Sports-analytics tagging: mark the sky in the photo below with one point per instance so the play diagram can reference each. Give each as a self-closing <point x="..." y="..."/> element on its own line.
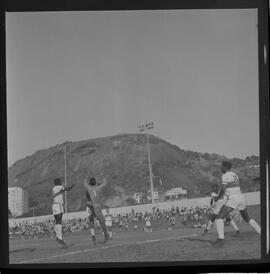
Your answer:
<point x="87" y="74"/>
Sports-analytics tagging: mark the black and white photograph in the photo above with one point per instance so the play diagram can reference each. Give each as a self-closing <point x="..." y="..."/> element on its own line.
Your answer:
<point x="133" y="136"/>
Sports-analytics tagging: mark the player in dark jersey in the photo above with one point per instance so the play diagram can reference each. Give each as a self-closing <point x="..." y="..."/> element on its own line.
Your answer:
<point x="94" y="206"/>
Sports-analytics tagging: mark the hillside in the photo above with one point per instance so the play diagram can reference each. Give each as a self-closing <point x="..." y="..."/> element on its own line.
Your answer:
<point x="122" y="161"/>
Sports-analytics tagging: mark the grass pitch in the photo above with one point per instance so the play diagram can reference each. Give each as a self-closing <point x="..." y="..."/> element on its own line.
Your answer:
<point x="179" y="244"/>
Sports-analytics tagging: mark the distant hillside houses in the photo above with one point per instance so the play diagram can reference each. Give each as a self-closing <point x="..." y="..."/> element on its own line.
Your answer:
<point x="254" y="166"/>
<point x="176" y="193"/>
<point x="138" y="196"/>
<point x="172" y="194"/>
<point x="145" y="197"/>
<point x="155" y="195"/>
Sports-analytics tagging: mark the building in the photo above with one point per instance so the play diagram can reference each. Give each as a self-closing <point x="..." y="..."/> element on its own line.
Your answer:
<point x="155" y="195"/>
<point x="138" y="197"/>
<point x="141" y="197"/>
<point x="176" y="193"/>
<point x="17" y="201"/>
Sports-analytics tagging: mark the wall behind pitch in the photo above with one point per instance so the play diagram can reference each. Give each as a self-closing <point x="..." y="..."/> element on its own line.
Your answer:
<point x="252" y="198"/>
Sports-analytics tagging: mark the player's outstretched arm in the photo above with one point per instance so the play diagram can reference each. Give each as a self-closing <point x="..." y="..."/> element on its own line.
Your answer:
<point x="86" y="185"/>
<point x="63" y="189"/>
<point x="68" y="188"/>
<point x="89" y="204"/>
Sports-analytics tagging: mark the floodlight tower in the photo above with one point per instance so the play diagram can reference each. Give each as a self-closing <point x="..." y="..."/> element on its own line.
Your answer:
<point x="146" y="128"/>
<point x="65" y="156"/>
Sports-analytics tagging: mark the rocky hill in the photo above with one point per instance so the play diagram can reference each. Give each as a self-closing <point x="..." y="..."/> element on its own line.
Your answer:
<point x="123" y="163"/>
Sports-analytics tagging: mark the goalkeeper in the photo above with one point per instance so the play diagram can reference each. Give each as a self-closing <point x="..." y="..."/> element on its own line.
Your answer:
<point x="94" y="206"/>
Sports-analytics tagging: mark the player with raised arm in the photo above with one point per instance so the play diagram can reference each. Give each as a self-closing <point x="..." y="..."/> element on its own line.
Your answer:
<point x="230" y="187"/>
<point x="216" y="206"/>
<point x="94" y="204"/>
<point x="58" y="209"/>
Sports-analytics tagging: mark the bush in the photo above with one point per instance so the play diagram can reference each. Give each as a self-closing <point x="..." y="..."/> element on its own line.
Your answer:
<point x="130" y="201"/>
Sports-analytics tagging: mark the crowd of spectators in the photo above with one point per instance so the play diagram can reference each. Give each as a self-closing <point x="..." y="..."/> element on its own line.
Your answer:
<point x="174" y="217"/>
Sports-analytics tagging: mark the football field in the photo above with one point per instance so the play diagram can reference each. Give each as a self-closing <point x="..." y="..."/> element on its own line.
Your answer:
<point x="179" y="244"/>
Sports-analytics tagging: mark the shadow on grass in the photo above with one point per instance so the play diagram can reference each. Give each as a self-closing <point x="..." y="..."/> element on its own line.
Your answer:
<point x="197" y="240"/>
<point x="22" y="249"/>
<point x="242" y="236"/>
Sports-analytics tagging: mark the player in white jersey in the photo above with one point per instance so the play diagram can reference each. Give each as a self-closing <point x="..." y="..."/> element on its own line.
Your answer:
<point x="108" y="222"/>
<point x="57" y="208"/>
<point x="230" y="187"/>
<point x="172" y="220"/>
<point x="216" y="206"/>
<point x="148" y="227"/>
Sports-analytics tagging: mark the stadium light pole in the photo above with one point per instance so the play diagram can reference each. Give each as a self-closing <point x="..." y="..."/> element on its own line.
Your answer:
<point x="146" y="128"/>
<point x="65" y="148"/>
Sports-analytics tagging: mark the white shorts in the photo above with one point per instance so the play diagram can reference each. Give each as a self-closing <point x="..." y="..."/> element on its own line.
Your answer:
<point x="218" y="205"/>
<point x="109" y="224"/>
<point x="236" y="201"/>
<point x="57" y="209"/>
<point x="148" y="224"/>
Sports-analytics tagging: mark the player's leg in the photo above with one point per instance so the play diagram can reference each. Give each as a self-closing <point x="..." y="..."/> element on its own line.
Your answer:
<point x="92" y="227"/>
<point x="111" y="232"/>
<point x="210" y="223"/>
<point x="58" y="228"/>
<point x="224" y="211"/>
<point x="109" y="229"/>
<point x="251" y="222"/>
<point x="234" y="225"/>
<point x="57" y="211"/>
<point x="101" y="219"/>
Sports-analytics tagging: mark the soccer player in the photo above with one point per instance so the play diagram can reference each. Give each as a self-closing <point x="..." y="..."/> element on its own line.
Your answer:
<point x="120" y="224"/>
<point x="216" y="206"/>
<point x="126" y="224"/>
<point x="148" y="227"/>
<point x="172" y="220"/>
<point x="57" y="208"/>
<point x="234" y="200"/>
<point x="94" y="206"/>
<point x="185" y="217"/>
<point x="108" y="222"/>
<point x="135" y="221"/>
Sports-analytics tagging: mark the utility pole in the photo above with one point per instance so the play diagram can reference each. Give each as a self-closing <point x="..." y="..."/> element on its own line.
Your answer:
<point x="146" y="128"/>
<point x="66" y="202"/>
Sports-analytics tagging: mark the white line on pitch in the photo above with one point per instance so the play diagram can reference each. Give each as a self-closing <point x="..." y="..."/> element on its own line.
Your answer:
<point x="106" y="247"/>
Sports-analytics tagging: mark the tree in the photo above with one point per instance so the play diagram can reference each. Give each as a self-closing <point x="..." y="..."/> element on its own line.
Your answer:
<point x="236" y="162"/>
<point x="130" y="201"/>
<point x="248" y="159"/>
<point x="33" y="203"/>
<point x="206" y="156"/>
<point x="216" y="173"/>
